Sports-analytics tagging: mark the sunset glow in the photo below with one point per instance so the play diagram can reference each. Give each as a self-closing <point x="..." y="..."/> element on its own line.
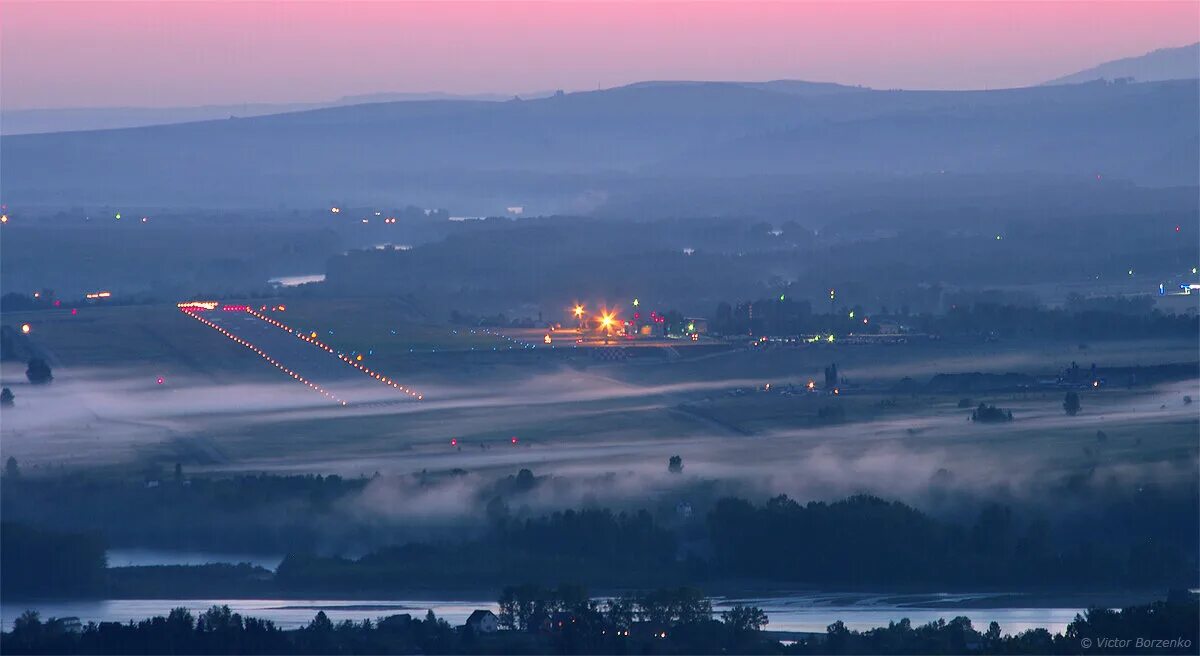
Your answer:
<point x="168" y="54"/>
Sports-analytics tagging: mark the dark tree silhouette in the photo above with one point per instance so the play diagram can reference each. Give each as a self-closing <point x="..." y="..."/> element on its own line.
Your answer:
<point x="38" y="372"/>
<point x="6" y="397"/>
<point x="831" y="376"/>
<point x="1071" y="404"/>
<point x="743" y="619"/>
<point x="675" y="465"/>
<point x="11" y="469"/>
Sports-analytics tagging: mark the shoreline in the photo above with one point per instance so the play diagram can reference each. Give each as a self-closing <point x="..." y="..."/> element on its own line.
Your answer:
<point x="821" y="598"/>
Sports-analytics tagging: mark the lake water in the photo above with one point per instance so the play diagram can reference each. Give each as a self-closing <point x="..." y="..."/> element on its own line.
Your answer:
<point x="793" y="612"/>
<point x="293" y="281"/>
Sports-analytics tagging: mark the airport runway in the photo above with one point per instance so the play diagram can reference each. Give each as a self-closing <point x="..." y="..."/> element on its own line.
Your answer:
<point x="309" y="362"/>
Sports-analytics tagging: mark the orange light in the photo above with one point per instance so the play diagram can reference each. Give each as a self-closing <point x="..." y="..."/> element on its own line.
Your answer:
<point x="578" y="311"/>
<point x="607" y="320"/>
<point x="25" y="328"/>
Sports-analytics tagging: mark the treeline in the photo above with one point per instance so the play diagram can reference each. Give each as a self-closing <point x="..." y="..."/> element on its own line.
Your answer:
<point x="866" y="540"/>
<point x="862" y="540"/>
<point x="166" y="508"/>
<point x="1082" y="319"/>
<point x="566" y="621"/>
<point x="593" y="546"/>
<point x="1162" y="627"/>
<point x="36" y="561"/>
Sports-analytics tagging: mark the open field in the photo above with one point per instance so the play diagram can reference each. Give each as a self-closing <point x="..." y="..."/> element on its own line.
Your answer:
<point x="222" y="408"/>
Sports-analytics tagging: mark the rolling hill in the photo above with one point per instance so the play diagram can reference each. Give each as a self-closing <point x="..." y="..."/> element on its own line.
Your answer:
<point x="551" y="151"/>
<point x="1181" y="63"/>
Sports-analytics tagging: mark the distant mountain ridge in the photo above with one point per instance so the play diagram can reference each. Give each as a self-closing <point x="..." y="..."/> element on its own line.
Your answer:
<point x="72" y="119"/>
<point x="562" y="152"/>
<point x="1182" y="63"/>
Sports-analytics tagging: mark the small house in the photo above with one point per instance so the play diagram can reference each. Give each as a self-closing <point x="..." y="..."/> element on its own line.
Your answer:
<point x="483" y="621"/>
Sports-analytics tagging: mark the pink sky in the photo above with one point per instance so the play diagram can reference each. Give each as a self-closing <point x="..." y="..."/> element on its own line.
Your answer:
<point x="62" y="54"/>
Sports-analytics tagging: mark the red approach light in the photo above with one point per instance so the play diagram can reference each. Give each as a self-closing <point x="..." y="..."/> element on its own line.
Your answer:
<point x="74" y="311"/>
<point x="1177" y="228"/>
<point x="454" y="441"/>
<point x="515" y="440"/>
<point x="59" y="303"/>
<point x="160" y="380"/>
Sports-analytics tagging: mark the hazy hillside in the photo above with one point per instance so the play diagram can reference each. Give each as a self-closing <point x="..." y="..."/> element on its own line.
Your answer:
<point x="1181" y="63"/>
<point x="549" y="153"/>
<point x="35" y="121"/>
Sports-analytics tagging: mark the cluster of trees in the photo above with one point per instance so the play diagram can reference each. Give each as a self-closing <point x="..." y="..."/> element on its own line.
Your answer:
<point x="1175" y="623"/>
<point x="253" y="513"/>
<point x="865" y="540"/>
<point x="564" y="620"/>
<point x="38" y="561"/>
<point x="671" y="620"/>
<point x="858" y="540"/>
<point x="591" y="545"/>
<point x="534" y="607"/>
<point x="221" y="631"/>
<point x="990" y="414"/>
<point x="38" y="372"/>
<point x="661" y="622"/>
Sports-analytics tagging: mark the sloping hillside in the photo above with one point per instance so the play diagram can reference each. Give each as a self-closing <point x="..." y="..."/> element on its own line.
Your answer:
<point x="580" y="143"/>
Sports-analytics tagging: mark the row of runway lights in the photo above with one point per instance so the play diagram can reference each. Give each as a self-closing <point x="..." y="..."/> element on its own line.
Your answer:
<point x="194" y="312"/>
<point x="456" y="443"/>
<point x="519" y="342"/>
<point x="312" y="339"/>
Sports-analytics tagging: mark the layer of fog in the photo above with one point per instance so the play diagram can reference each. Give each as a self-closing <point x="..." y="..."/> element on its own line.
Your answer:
<point x="933" y="459"/>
